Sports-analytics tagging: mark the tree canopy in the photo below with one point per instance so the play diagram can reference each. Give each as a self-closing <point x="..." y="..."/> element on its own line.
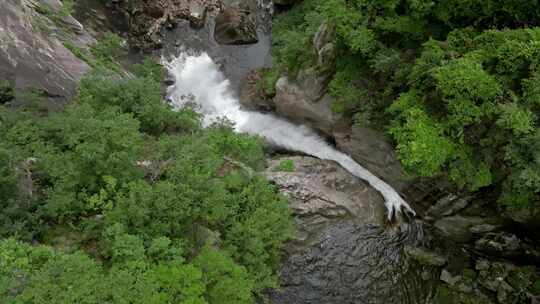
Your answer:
<point x="133" y="202"/>
<point x="453" y="82"/>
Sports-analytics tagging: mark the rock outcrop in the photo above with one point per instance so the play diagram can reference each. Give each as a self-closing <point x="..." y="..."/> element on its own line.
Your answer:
<point x="31" y="53"/>
<point x="293" y="101"/>
<point x="144" y="19"/>
<point x="321" y="193"/>
<point x="236" y="25"/>
<point x="374" y="151"/>
<point x="305" y="99"/>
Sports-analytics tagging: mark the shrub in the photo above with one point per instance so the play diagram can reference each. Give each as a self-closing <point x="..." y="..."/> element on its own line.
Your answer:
<point x="286" y="165"/>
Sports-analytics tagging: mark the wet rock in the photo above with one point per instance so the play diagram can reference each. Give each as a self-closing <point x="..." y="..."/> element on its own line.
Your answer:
<point x="30" y="57"/>
<point x="293" y="101"/>
<point x="483" y="228"/>
<point x="321" y="193"/>
<point x="457" y="227"/>
<point x="448" y="205"/>
<point x="425" y="256"/>
<point x="235" y="25"/>
<point x="493" y="275"/>
<point x="448" y="278"/>
<point x="505" y="243"/>
<point x="169" y="80"/>
<point x="373" y="150"/>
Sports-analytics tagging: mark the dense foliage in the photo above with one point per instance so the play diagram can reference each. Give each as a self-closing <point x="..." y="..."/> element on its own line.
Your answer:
<point x="454" y="82"/>
<point x="133" y="202"/>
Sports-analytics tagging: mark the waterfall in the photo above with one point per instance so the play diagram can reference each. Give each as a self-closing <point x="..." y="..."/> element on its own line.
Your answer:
<point x="199" y="80"/>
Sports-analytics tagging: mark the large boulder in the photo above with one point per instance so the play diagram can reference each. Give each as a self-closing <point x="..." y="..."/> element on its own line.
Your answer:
<point x="321" y="193"/>
<point x="31" y="56"/>
<point x="297" y="100"/>
<point x="373" y="150"/>
<point x="461" y="228"/>
<point x="236" y="25"/>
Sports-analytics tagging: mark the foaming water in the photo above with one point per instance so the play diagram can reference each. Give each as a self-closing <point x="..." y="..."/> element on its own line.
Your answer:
<point x="199" y="80"/>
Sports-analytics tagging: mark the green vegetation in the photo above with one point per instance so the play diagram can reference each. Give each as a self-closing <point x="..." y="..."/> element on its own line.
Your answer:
<point x="132" y="202"/>
<point x="50" y="16"/>
<point x="445" y="295"/>
<point x="455" y="83"/>
<point x="286" y="165"/>
<point x="103" y="54"/>
<point x="268" y="81"/>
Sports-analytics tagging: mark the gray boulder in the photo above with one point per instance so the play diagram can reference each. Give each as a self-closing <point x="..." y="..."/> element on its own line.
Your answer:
<point x="295" y="101"/>
<point x="30" y="57"/>
<point x="425" y="256"/>
<point x="373" y="150"/>
<point x="457" y="228"/>
<point x="447" y="205"/>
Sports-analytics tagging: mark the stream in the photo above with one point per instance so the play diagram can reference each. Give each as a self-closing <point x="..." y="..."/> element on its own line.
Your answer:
<point x="351" y="262"/>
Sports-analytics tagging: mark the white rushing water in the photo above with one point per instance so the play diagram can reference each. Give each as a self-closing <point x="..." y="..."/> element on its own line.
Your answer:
<point x="199" y="80"/>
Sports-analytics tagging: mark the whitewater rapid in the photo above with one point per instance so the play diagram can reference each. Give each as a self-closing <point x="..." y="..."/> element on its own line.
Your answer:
<point x="199" y="81"/>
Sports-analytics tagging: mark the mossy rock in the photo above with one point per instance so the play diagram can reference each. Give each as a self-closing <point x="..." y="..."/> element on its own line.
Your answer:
<point x="445" y="295"/>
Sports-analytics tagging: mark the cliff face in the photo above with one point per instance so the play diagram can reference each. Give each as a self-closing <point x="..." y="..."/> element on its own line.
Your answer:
<point x="144" y="19"/>
<point x="32" y="53"/>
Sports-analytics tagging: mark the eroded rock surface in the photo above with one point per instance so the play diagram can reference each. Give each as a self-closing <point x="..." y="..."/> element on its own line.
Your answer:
<point x="321" y="193"/>
<point x="293" y="101"/>
<point x="32" y="56"/>
<point x="373" y="150"/>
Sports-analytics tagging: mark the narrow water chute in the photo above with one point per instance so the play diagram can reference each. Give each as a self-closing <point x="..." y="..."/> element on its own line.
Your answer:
<point x="199" y="80"/>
